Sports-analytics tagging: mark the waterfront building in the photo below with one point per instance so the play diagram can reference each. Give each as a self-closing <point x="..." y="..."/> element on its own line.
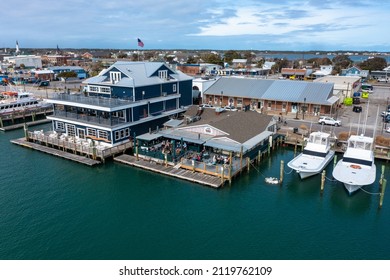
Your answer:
<point x="204" y="133"/>
<point x="273" y="96"/>
<point x="127" y="99"/>
<point x="81" y="74"/>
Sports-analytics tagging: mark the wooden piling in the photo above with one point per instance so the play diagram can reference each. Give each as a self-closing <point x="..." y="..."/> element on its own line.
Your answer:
<point x="25" y="131"/>
<point x="281" y="171"/>
<point x="241" y="152"/>
<point x="222" y="174"/>
<point x="382" y="195"/>
<point x="295" y="147"/>
<point x="323" y="180"/>
<point x="382" y="176"/>
<point x="248" y="163"/>
<point x="136" y="151"/>
<point x="334" y="161"/>
<point x="259" y="157"/>
<point x="1" y="122"/>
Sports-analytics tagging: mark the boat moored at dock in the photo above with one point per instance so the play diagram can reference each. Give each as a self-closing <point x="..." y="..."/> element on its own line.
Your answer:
<point x="315" y="156"/>
<point x="357" y="168"/>
<point x="13" y="101"/>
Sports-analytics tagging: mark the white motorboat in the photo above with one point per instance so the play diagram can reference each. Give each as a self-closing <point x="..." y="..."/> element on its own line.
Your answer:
<point x="13" y="101"/>
<point x="315" y="156"/>
<point x="357" y="168"/>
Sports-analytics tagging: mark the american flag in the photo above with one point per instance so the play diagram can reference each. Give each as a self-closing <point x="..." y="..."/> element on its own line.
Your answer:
<point x="140" y="43"/>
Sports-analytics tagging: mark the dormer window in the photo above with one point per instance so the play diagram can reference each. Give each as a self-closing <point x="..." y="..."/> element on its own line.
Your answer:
<point x="115" y="77"/>
<point x="163" y="74"/>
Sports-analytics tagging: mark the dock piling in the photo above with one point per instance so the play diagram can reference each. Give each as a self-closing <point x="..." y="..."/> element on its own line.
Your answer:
<point x="382" y="195"/>
<point x="281" y="171"/>
<point x="323" y="181"/>
<point x="382" y="176"/>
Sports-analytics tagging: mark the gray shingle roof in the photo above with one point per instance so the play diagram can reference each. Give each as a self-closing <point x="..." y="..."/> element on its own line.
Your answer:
<point x="240" y="126"/>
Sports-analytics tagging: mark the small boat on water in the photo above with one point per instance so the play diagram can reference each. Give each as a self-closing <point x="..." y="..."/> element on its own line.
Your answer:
<point x="13" y="101"/>
<point x="357" y="168"/>
<point x="315" y="156"/>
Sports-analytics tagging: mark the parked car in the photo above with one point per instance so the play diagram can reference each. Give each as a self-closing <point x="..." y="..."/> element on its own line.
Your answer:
<point x="205" y="105"/>
<point x="230" y="108"/>
<point x="329" y="121"/>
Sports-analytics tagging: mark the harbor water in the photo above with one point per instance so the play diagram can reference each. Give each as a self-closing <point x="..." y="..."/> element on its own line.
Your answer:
<point x="52" y="208"/>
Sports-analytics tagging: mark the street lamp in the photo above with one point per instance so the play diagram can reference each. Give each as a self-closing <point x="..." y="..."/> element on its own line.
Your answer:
<point x="304" y="108"/>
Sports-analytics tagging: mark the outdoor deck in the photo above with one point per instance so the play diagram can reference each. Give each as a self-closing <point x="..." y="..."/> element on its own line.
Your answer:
<point x="173" y="171"/>
<point x="55" y="152"/>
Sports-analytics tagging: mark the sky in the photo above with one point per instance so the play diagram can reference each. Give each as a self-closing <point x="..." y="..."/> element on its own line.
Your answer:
<point x="276" y="25"/>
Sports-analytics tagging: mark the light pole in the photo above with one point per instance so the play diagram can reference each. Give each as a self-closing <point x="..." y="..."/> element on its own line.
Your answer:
<point x="304" y="108"/>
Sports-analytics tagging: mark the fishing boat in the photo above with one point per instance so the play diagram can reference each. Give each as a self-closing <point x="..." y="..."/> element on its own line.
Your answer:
<point x="315" y="156"/>
<point x="357" y="168"/>
<point x="13" y="101"/>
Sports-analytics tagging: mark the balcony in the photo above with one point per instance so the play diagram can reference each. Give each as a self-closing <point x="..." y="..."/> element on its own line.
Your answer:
<point x="91" y="119"/>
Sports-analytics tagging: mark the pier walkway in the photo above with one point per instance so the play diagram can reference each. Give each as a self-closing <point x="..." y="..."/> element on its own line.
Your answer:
<point x="55" y="152"/>
<point x="177" y="172"/>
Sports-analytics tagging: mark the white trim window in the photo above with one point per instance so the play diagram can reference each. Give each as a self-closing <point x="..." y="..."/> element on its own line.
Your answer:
<point x="115" y="77"/>
<point x="105" y="90"/>
<point x="91" y="131"/>
<point x="70" y="129"/>
<point x="163" y="74"/>
<point x="60" y="126"/>
<point x="174" y="88"/>
<point x="93" y="89"/>
<point x="102" y="134"/>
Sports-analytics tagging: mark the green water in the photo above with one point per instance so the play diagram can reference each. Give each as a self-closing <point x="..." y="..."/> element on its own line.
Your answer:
<point x="51" y="208"/>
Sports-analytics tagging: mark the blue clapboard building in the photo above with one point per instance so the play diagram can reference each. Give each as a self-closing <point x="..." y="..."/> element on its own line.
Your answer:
<point x="127" y="99"/>
<point x="81" y="73"/>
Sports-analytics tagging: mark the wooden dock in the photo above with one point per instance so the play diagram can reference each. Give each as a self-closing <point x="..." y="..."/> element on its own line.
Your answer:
<point x="204" y="179"/>
<point x="30" y="117"/>
<point x="20" y="125"/>
<point x="55" y="152"/>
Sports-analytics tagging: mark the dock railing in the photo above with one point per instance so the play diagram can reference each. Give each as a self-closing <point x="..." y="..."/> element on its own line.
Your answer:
<point x="77" y="145"/>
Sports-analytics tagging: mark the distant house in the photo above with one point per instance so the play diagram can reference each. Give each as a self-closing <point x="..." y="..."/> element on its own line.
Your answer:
<point x="324" y="70"/>
<point x="81" y="74"/>
<point x="127" y="99"/>
<point x="239" y="63"/>
<point x="275" y="96"/>
<point x="295" y="74"/>
<point x="354" y="71"/>
<point x="189" y="69"/>
<point x="44" y="75"/>
<point x="56" y="59"/>
<point x="87" y="55"/>
<point x="382" y="75"/>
